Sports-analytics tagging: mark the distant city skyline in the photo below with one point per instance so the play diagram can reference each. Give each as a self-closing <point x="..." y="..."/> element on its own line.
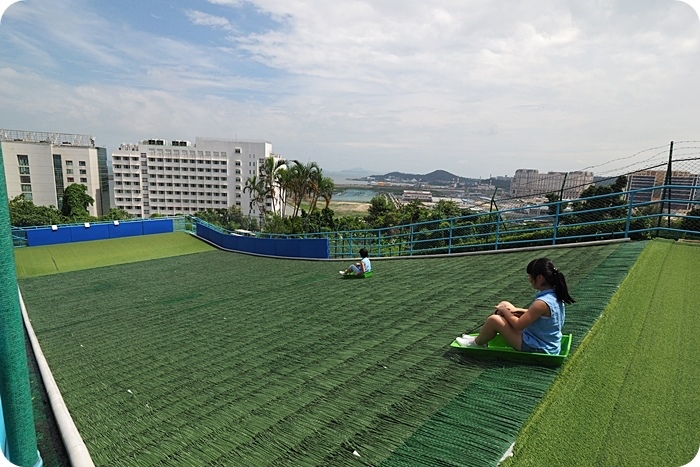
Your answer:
<point x="472" y="88"/>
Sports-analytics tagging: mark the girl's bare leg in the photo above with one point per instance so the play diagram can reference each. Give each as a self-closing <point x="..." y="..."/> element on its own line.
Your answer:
<point x="497" y="324"/>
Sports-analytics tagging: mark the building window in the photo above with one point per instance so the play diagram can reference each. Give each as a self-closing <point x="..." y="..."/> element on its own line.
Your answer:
<point x="24" y="170"/>
<point x="22" y="159"/>
<point x="26" y="188"/>
<point x="81" y="163"/>
<point x="25" y="179"/>
<point x="83" y="172"/>
<point x="83" y="180"/>
<point x="71" y="180"/>
<point x="69" y="163"/>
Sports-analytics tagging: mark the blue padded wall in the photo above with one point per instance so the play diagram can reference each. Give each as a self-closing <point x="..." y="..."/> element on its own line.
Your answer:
<point x="126" y="229"/>
<point x="291" y="248"/>
<point x="80" y="233"/>
<point x="157" y="226"/>
<point x="38" y="237"/>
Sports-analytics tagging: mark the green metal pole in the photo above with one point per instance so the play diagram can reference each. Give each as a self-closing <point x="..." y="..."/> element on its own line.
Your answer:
<point x="14" y="372"/>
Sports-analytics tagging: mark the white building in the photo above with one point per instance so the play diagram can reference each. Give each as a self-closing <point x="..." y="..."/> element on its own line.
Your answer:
<point x="529" y="182"/>
<point x="41" y="165"/>
<point x="157" y="176"/>
<point x="410" y="195"/>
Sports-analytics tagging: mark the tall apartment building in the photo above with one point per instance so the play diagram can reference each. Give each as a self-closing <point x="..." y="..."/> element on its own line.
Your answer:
<point x="41" y="165"/>
<point x="651" y="178"/>
<point x="529" y="182"/>
<point x="177" y="177"/>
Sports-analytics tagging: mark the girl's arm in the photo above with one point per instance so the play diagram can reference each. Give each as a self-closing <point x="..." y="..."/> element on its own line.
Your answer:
<point x="507" y="305"/>
<point x="537" y="309"/>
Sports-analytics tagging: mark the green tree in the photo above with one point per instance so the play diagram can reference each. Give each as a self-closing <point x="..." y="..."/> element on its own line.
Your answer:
<point x="325" y="190"/>
<point x="229" y="218"/>
<point x="690" y="224"/>
<point x="553" y="198"/>
<point x="601" y="207"/>
<point x="76" y="201"/>
<point x="285" y="183"/>
<point x="24" y="213"/>
<point x="445" y="209"/>
<point x="382" y="212"/>
<point x="116" y="214"/>
<point x="258" y="193"/>
<point x="413" y="211"/>
<point x="299" y="183"/>
<point x="270" y="174"/>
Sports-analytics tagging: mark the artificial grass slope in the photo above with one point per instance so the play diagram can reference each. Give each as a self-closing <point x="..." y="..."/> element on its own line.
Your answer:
<point x="629" y="395"/>
<point x="478" y="426"/>
<point x="227" y="359"/>
<point x="51" y="259"/>
<point x="237" y="360"/>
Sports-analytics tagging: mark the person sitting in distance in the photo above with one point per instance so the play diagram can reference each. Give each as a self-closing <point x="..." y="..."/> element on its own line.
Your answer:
<point x="361" y="267"/>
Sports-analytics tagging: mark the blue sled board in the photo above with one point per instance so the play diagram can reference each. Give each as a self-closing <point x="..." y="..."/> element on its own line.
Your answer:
<point x="352" y="275"/>
<point x="499" y="348"/>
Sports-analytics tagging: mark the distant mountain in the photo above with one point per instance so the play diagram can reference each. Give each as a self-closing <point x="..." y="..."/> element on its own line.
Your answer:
<point x="437" y="177"/>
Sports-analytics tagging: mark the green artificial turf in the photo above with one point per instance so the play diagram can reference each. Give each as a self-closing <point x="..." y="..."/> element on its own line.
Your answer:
<point x="629" y="396"/>
<point x="51" y="259"/>
<point x="226" y="359"/>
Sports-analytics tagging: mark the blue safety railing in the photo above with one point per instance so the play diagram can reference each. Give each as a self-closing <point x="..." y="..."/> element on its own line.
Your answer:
<point x="631" y="214"/>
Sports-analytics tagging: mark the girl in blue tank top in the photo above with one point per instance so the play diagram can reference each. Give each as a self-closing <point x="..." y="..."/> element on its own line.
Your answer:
<point x="536" y="328"/>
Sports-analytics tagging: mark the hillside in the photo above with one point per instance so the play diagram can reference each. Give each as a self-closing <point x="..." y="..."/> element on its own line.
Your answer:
<point x="434" y="177"/>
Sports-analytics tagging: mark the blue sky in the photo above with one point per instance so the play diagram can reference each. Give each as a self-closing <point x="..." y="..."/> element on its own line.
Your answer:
<point x="474" y="87"/>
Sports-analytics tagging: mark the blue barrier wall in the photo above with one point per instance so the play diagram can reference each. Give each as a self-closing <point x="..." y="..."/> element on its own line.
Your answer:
<point x="125" y="229"/>
<point x="157" y="226"/>
<point x="316" y="248"/>
<point x="39" y="237"/>
<point x="80" y="233"/>
<point x="85" y="234"/>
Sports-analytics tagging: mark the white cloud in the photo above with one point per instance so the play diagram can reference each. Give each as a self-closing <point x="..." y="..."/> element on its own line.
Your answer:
<point x="475" y="87"/>
<point x="203" y="19"/>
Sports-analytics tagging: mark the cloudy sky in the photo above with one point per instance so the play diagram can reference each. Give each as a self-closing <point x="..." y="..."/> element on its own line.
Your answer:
<point x="474" y="87"/>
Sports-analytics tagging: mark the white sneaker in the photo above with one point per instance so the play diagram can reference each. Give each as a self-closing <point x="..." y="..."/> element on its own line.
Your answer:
<point x="468" y="341"/>
<point x="341" y="272"/>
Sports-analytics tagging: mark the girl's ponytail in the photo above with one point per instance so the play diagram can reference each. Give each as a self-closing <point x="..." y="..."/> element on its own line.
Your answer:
<point x="553" y="277"/>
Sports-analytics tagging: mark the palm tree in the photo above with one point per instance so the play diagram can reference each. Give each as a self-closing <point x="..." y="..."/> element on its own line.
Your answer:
<point x="258" y="193"/>
<point x="300" y="182"/>
<point x="270" y="176"/>
<point x="325" y="190"/>
<point x="314" y="188"/>
<point x="285" y="183"/>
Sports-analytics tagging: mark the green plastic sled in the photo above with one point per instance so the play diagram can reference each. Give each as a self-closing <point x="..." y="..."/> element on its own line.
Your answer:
<point x="352" y="275"/>
<point x="499" y="348"/>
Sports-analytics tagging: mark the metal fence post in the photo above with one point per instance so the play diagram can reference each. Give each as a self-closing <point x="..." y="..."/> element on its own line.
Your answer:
<point x="449" y="245"/>
<point x="556" y="222"/>
<point x="629" y="215"/>
<point x="667" y="181"/>
<point x="498" y="228"/>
